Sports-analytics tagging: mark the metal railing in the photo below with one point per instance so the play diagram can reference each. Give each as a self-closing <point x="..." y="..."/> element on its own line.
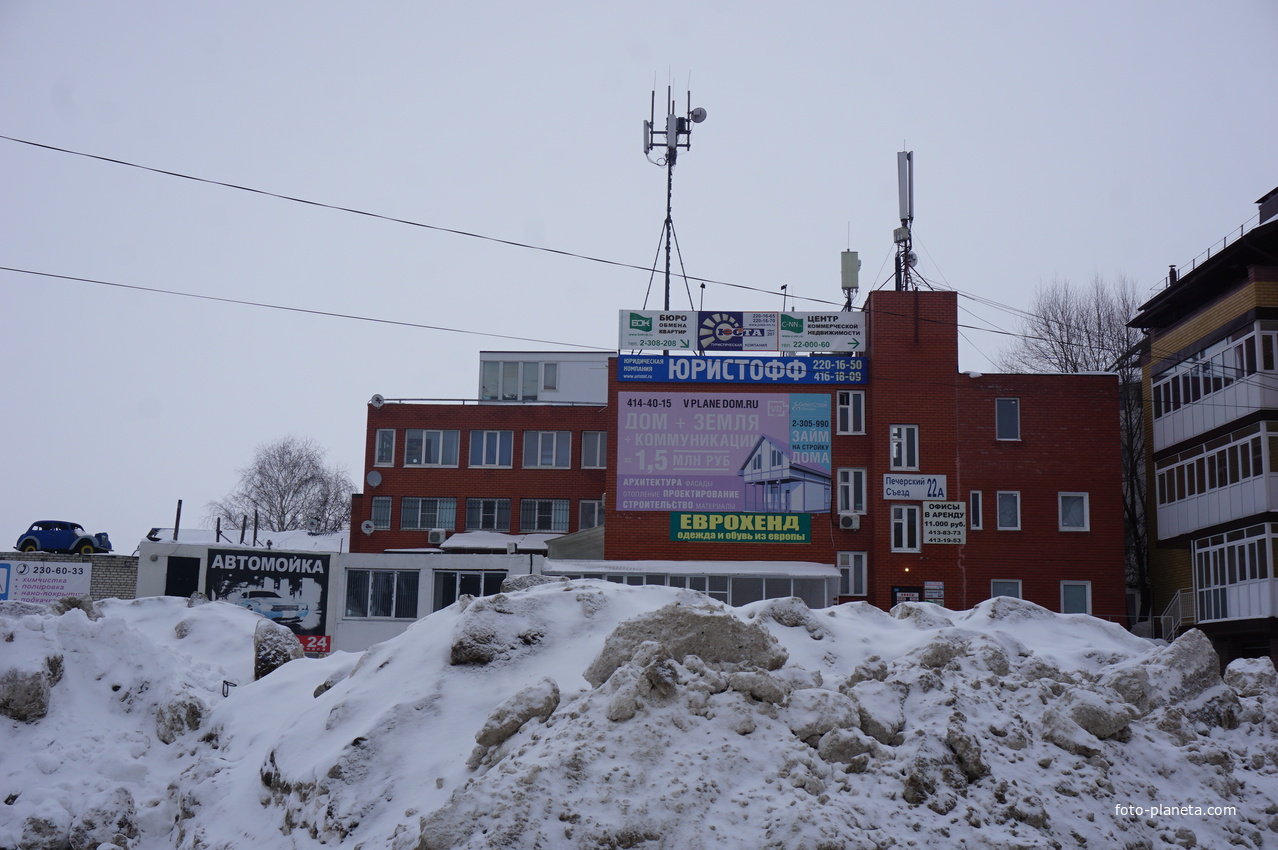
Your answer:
<point x="1179" y="612"/>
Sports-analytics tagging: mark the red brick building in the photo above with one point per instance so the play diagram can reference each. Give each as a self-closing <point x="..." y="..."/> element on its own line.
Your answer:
<point x="526" y="458"/>
<point x="915" y="480"/>
<point x="1028" y="465"/>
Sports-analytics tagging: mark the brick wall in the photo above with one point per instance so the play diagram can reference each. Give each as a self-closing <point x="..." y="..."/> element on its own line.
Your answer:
<point x="463" y="482"/>
<point x="1251" y="294"/>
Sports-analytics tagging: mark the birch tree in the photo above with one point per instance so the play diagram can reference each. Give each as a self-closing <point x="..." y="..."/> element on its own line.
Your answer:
<point x="289" y="487"/>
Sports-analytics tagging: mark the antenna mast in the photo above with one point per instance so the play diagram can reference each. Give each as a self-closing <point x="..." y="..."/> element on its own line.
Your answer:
<point x="905" y="258"/>
<point x="677" y="134"/>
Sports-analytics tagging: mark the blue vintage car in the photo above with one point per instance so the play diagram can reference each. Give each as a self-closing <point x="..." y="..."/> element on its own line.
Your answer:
<point x="55" y="535"/>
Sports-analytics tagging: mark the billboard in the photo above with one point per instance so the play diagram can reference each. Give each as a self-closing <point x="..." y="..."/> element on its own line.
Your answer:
<point x="745" y="369"/>
<point x="723" y="452"/>
<point x="290" y="588"/>
<point x="719" y="527"/>
<point x="44" y="582"/>
<point x="726" y="330"/>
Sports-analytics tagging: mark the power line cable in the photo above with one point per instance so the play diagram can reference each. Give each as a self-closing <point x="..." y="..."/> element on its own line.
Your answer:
<point x="355" y="211"/>
<point x="298" y="309"/>
<point x="512" y="243"/>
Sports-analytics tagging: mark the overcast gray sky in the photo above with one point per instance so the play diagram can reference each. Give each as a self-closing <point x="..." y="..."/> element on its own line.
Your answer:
<point x="1051" y="141"/>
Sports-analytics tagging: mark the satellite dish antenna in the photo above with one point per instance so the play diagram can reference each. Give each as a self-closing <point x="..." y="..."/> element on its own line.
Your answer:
<point x="698" y="115"/>
<point x="373" y="478"/>
<point x="366" y="526"/>
<point x="377" y="400"/>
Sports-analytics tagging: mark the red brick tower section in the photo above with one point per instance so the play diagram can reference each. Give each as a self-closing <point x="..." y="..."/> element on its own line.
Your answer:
<point x="913" y="367"/>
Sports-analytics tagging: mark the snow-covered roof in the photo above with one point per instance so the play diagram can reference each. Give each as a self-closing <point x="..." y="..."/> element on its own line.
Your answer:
<point x="293" y="541"/>
<point x="496" y="541"/>
<point x="790" y="569"/>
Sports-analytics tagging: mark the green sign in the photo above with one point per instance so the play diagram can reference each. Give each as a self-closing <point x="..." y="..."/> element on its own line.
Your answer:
<point x="641" y="323"/>
<point x="739" y="527"/>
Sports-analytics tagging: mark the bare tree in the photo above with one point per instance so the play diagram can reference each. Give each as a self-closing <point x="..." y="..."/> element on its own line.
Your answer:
<point x="288" y="486"/>
<point x="1070" y="329"/>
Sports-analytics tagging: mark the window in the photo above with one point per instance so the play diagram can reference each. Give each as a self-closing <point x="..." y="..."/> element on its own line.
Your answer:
<point x="1007" y="418"/>
<point x="1073" y="511"/>
<point x="547" y="449"/>
<point x="1233" y="558"/>
<point x="491" y="448"/>
<point x="1076" y="597"/>
<point x="1212" y="369"/>
<point x="594" y="449"/>
<point x="905" y="528"/>
<point x="381" y="512"/>
<point x="1222" y="462"/>
<point x="1009" y="511"/>
<point x="543" y="514"/>
<point x="905" y="446"/>
<point x="488" y="514"/>
<point x="516" y="380"/>
<point x="384" y="454"/>
<point x="974" y="509"/>
<point x="591" y="514"/>
<point x="852" y="491"/>
<point x="425" y="514"/>
<point x="449" y="585"/>
<point x="850" y="412"/>
<point x="1005" y="587"/>
<point x="382" y="593"/>
<point x="430" y="448"/>
<point x="852" y="574"/>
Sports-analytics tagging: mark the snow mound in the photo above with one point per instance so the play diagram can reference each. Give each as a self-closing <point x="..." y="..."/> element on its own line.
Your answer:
<point x="583" y="714"/>
<point x="91" y="697"/>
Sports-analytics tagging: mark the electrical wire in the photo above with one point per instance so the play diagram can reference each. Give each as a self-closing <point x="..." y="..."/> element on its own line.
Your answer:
<point x="299" y="309"/>
<point x="512" y="243"/>
<point x="355" y="211"/>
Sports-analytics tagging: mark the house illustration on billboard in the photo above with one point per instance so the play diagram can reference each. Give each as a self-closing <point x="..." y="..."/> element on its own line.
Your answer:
<point x="774" y="482"/>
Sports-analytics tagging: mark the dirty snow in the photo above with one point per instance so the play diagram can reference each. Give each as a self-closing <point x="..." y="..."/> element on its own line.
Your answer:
<point x="530" y="719"/>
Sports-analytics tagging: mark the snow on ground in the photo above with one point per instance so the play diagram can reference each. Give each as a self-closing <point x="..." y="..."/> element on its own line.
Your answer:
<point x="585" y="714"/>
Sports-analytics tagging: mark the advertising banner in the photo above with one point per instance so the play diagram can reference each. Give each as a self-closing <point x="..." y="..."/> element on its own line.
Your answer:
<point x="945" y="522"/>
<point x="718" y="527"/>
<point x="725" y="369"/>
<point x="723" y="330"/>
<point x="290" y="588"/>
<point x="43" y="582"/>
<point x="728" y="452"/>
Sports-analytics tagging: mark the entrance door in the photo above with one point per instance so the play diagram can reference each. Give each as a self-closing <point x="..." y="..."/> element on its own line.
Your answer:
<point x="181" y="576"/>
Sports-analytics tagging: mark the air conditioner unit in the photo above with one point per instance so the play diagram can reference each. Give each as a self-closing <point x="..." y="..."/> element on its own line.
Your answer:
<point x="436" y="536"/>
<point x="849" y="522"/>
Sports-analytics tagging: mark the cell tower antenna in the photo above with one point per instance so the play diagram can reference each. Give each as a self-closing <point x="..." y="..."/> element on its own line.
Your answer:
<point x="676" y="134"/>
<point x="905" y="257"/>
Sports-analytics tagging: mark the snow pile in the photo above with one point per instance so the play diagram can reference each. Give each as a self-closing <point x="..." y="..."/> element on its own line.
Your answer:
<point x="91" y="698"/>
<point x="583" y="714"/>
